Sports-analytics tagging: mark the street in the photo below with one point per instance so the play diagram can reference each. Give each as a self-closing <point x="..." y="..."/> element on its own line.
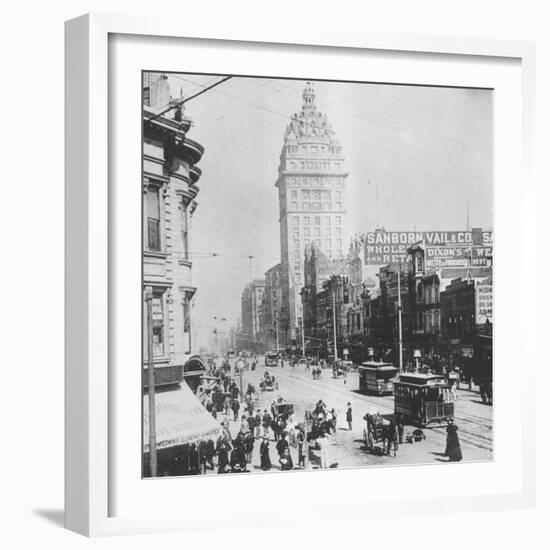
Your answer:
<point x="346" y="449"/>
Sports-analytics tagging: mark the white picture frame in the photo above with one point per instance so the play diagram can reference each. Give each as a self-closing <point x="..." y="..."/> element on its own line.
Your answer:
<point x="90" y="435"/>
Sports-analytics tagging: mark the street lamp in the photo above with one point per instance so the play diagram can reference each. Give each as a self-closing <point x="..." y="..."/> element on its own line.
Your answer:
<point x="148" y="297"/>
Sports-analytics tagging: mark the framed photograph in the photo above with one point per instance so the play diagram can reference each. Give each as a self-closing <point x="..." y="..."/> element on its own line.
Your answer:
<point x="289" y="263"/>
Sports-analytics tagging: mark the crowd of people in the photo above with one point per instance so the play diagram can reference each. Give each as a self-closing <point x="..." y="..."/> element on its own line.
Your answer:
<point x="281" y="439"/>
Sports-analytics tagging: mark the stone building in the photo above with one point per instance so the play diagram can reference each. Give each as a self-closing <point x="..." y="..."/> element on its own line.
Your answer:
<point x="271" y="307"/>
<point x="312" y="201"/>
<point x="170" y="177"/>
<point x="251" y="315"/>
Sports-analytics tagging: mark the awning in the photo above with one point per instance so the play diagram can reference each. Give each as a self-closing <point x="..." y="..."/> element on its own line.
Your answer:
<point x="180" y="419"/>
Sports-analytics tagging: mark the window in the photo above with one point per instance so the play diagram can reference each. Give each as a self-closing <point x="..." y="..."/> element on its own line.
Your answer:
<point x="294" y="195"/>
<point x="158" y="326"/>
<point x="326" y="206"/>
<point x="147" y="96"/>
<point x="316" y="206"/>
<point x="327" y="244"/>
<point x="306" y="220"/>
<point x="305" y="206"/>
<point x="338" y="231"/>
<point x="306" y="232"/>
<point x="338" y="220"/>
<point x="297" y="267"/>
<point x="296" y="233"/>
<point x="317" y="220"/>
<point x="338" y="195"/>
<point x="153" y="218"/>
<point x="327" y="231"/>
<point x="307" y="242"/>
<point x="187" y="323"/>
<point x="338" y="206"/>
<point x="316" y="196"/>
<point x="294" y="205"/>
<point x="184" y="228"/>
<point x="295" y="220"/>
<point x="297" y="244"/>
<point x="317" y="231"/>
<point x="318" y="242"/>
<point x="327" y="220"/>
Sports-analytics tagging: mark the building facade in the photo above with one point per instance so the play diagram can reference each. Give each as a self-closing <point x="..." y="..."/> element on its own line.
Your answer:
<point x="312" y="202"/>
<point x="251" y="315"/>
<point x="271" y="308"/>
<point x="170" y="177"/>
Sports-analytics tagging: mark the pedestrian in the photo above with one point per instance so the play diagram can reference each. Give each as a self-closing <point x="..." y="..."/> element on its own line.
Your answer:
<point x="452" y="449"/>
<point x="349" y="417"/>
<point x="235" y="406"/>
<point x="244" y="429"/>
<point x="258" y="423"/>
<point x="332" y="420"/>
<point x="226" y="405"/>
<point x="223" y="455"/>
<point x="265" y="460"/>
<point x="282" y="444"/>
<point x="322" y="443"/>
<point x="302" y="448"/>
<point x="453" y="391"/>
<point x="251" y="423"/>
<point x="391" y="438"/>
<point x="249" y="447"/>
<point x="400" y="427"/>
<point x="266" y="423"/>
<point x="285" y="460"/>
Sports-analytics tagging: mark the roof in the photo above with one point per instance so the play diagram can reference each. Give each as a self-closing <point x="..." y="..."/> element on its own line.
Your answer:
<point x="419" y="379"/>
<point x="377" y="365"/>
<point x="180" y="419"/>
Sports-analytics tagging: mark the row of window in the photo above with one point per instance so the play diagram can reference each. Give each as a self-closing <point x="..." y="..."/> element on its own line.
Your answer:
<point x="326" y="206"/>
<point x="313" y="165"/>
<point x="324" y="181"/>
<point x="315" y="195"/>
<point x="158" y="319"/>
<point x="294" y="149"/>
<point x="152" y="212"/>
<point x="316" y="220"/>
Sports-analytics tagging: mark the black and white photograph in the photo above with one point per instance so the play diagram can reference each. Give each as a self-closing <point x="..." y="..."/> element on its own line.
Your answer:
<point x="317" y="274"/>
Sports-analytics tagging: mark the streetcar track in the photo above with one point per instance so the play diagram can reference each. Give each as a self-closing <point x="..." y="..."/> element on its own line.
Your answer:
<point x="466" y="437"/>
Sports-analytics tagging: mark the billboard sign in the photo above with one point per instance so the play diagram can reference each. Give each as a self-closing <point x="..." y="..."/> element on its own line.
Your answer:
<point x="385" y="247"/>
<point x="484" y="303"/>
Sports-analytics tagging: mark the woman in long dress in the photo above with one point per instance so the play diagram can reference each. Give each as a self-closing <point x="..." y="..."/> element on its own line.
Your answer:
<point x="265" y="461"/>
<point x="452" y="449"/>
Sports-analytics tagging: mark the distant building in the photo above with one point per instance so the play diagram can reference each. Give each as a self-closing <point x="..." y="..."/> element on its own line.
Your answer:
<point x="318" y="268"/>
<point x="251" y="313"/>
<point x="271" y="307"/>
<point x="170" y="178"/>
<point x="312" y="202"/>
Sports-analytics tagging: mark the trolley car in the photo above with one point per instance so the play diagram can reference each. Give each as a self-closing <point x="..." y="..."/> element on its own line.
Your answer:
<point x="377" y="377"/>
<point x="423" y="399"/>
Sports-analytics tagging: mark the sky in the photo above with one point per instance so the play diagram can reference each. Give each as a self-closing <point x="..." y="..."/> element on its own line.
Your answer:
<point x="416" y="156"/>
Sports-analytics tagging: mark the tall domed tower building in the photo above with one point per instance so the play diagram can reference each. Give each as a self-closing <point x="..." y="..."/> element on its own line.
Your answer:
<point x="312" y="203"/>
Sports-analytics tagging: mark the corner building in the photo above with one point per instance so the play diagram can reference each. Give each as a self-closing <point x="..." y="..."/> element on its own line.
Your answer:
<point x="312" y="203"/>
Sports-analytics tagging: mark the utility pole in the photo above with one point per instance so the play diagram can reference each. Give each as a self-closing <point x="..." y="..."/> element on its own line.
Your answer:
<point x="399" y="318"/>
<point x="148" y="295"/>
<point x="334" y="324"/>
<point x="303" y="337"/>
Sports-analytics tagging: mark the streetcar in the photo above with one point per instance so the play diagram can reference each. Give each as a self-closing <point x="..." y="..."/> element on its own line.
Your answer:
<point x="377" y="377"/>
<point x="423" y="399"/>
<point x="271" y="359"/>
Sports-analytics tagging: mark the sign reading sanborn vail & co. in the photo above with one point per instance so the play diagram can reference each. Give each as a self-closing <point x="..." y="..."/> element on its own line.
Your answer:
<point x="443" y="248"/>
